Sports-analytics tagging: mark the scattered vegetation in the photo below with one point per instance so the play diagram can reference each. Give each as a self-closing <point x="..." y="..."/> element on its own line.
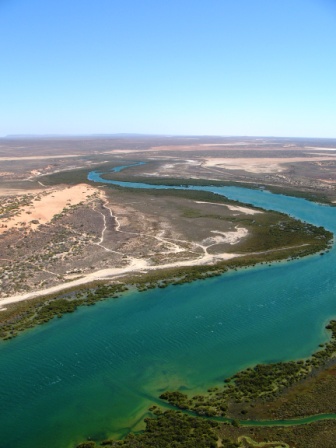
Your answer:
<point x="39" y="311"/>
<point x="31" y="313"/>
<point x="178" y="429"/>
<point x="62" y="250"/>
<point x="314" y="435"/>
<point x="263" y="382"/>
<point x="170" y="429"/>
<point x="312" y="193"/>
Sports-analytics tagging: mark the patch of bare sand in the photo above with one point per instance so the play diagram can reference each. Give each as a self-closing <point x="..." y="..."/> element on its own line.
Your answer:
<point x="225" y="237"/>
<point x="260" y="165"/>
<point x="246" y="210"/>
<point x="47" y="204"/>
<point x="327" y="181"/>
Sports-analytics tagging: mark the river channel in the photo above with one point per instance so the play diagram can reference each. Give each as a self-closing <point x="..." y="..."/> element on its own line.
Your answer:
<point x="95" y="372"/>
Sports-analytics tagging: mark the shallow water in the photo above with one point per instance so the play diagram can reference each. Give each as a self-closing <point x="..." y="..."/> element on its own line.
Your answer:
<point x="119" y="168"/>
<point x="95" y="372"/>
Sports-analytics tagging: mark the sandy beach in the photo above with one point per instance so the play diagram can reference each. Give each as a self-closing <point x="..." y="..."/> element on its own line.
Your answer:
<point x="246" y="210"/>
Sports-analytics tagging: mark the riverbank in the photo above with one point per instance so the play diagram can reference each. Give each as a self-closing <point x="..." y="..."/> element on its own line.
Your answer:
<point x="136" y="266"/>
<point x="138" y="347"/>
<point x="261" y="383"/>
<point x="258" y="237"/>
<point x="237" y="431"/>
<point x="22" y="312"/>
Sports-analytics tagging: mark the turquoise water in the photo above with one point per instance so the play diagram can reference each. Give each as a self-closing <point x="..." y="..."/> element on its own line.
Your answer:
<point x="119" y="168"/>
<point x="95" y="372"/>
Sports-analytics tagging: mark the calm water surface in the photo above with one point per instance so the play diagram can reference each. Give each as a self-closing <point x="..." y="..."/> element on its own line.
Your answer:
<point x="95" y="372"/>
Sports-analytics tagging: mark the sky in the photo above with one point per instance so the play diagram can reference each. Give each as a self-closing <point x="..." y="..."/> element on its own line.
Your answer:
<point x="177" y="67"/>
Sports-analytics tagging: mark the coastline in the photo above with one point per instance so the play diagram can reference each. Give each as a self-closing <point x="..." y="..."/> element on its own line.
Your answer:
<point x="136" y="266"/>
<point x="141" y="266"/>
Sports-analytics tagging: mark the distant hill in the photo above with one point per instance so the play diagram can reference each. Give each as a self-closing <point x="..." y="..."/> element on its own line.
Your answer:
<point x="36" y="136"/>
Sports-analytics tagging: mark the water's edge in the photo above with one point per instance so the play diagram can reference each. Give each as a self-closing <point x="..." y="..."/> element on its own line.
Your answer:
<point x="93" y="373"/>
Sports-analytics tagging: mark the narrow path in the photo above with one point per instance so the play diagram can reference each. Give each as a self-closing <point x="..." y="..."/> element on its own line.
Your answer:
<point x="137" y="265"/>
<point x="160" y="238"/>
<point x="101" y="241"/>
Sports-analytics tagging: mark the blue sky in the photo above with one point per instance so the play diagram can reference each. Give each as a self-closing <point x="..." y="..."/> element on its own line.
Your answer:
<point x="223" y="67"/>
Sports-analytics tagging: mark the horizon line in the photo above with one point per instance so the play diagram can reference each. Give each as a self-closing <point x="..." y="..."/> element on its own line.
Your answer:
<point x="135" y="134"/>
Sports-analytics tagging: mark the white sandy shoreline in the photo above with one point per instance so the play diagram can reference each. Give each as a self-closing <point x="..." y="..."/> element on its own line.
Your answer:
<point x="136" y="266"/>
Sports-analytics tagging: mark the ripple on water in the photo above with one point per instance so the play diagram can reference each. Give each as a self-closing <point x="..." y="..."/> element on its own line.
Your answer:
<point x="95" y="371"/>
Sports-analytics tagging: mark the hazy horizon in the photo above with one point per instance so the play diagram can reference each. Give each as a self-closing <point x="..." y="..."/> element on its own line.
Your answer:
<point x="186" y="136"/>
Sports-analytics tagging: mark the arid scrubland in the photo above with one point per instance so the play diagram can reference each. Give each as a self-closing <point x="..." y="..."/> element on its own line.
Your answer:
<point x="67" y="242"/>
<point x="57" y="227"/>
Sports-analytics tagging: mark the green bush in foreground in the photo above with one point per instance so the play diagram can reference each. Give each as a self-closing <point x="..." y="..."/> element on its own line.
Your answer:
<point x="262" y="381"/>
<point x="171" y="429"/>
